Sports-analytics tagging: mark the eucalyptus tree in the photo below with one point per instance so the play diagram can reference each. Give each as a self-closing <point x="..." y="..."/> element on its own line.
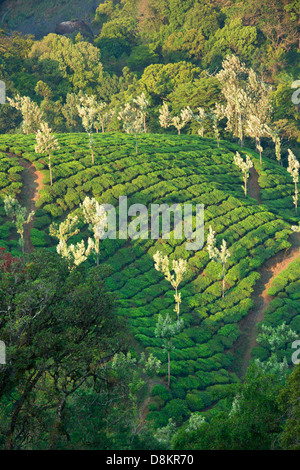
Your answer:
<point x="88" y="110"/>
<point x="142" y="103"/>
<point x="132" y="118"/>
<point x="99" y="119"/>
<point x="244" y="166"/>
<point x="216" y="114"/>
<point x="275" y="136"/>
<point x="256" y="129"/>
<point x="248" y="100"/>
<point x="166" y="329"/>
<point x="219" y="255"/>
<point x="19" y="215"/>
<point x="31" y="113"/>
<point x="296" y="228"/>
<point x="103" y="116"/>
<point x="179" y="267"/>
<point x="200" y="118"/>
<point x="293" y="169"/>
<point x="95" y="215"/>
<point x="46" y="143"/>
<point x="232" y="78"/>
<point x="74" y="254"/>
<point x="165" y="116"/>
<point x="179" y="122"/>
<point x="259" y="109"/>
<point x="107" y="117"/>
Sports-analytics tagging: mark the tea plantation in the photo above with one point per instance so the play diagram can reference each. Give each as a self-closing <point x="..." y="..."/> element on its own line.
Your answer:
<point x="171" y="170"/>
<point x="284" y="308"/>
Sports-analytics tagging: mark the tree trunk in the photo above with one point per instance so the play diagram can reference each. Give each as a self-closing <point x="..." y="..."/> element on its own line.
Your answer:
<point x="57" y="431"/>
<point x="51" y="182"/>
<point x="22" y="244"/>
<point x="18" y="407"/>
<point x="97" y="251"/>
<point x="145" y="127"/>
<point x="136" y="144"/>
<point x="223" y="293"/>
<point x="177" y="306"/>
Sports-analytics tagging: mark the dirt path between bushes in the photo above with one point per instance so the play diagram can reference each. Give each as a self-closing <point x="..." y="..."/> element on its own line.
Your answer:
<point x="32" y="184"/>
<point x="268" y="272"/>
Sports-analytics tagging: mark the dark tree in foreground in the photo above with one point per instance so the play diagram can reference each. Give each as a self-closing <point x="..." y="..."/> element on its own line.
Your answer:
<point x="60" y="329"/>
<point x="253" y="420"/>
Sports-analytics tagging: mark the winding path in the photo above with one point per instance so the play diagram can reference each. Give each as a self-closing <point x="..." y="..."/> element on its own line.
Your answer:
<point x="269" y="271"/>
<point x="32" y="184"/>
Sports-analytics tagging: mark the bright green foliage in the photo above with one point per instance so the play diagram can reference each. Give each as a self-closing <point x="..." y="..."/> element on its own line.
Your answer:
<point x="289" y="402"/>
<point x="19" y="215"/>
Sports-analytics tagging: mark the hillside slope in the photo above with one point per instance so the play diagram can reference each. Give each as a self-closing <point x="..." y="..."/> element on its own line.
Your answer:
<point x="168" y="169"/>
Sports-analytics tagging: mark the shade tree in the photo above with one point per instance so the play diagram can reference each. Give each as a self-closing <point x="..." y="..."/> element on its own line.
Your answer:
<point x="216" y="114"/>
<point x="88" y="110"/>
<point x="218" y="255"/>
<point x="166" y="329"/>
<point x="244" y="166"/>
<point x="293" y="170"/>
<point x="179" y="122"/>
<point x="14" y="210"/>
<point x="74" y="254"/>
<point x="46" y="143"/>
<point x="143" y="104"/>
<point x="95" y="215"/>
<point x="179" y="267"/>
<point x="275" y="136"/>
<point x="31" y="113"/>
<point x="133" y="121"/>
<point x="200" y="118"/>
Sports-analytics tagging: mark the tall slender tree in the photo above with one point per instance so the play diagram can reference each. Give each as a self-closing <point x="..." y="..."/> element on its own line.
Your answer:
<point x="162" y="264"/>
<point x="74" y="254"/>
<point x="200" y="118"/>
<point x="133" y="120"/>
<point x="95" y="215"/>
<point x="18" y="213"/>
<point x="219" y="255"/>
<point x="46" y="143"/>
<point x="88" y="110"/>
<point x="142" y="103"/>
<point x="166" y="329"/>
<point x="244" y="166"/>
<point x="293" y="170"/>
<point x="31" y="113"/>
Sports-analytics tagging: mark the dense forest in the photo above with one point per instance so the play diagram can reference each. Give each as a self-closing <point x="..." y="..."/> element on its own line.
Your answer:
<point x="112" y="343"/>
